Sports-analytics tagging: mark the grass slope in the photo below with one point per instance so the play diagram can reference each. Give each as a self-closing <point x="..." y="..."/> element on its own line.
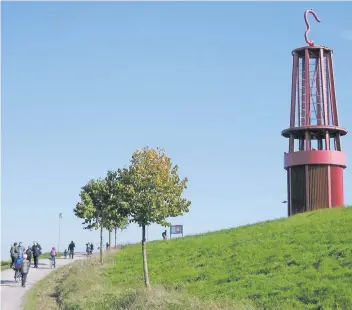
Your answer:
<point x="303" y="262"/>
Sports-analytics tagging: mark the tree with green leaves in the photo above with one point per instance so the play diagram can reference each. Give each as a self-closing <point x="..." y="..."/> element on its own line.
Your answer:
<point x="93" y="208"/>
<point x="116" y="220"/>
<point x="152" y="193"/>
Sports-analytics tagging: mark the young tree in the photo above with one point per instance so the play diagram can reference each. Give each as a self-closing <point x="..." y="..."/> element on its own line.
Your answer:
<point x="110" y="232"/>
<point x="117" y="219"/>
<point x="152" y="193"/>
<point x="93" y="208"/>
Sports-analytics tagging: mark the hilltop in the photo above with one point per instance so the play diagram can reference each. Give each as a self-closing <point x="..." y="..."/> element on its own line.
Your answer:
<point x="303" y="262"/>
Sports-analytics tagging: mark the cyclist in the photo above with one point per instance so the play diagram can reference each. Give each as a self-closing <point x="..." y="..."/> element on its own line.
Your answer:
<point x="17" y="266"/>
<point x="53" y="256"/>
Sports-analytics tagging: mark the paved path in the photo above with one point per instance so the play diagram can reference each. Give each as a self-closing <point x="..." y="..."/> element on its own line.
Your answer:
<point x="12" y="293"/>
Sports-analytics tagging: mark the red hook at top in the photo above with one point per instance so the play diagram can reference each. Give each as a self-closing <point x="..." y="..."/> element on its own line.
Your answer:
<point x="310" y="43"/>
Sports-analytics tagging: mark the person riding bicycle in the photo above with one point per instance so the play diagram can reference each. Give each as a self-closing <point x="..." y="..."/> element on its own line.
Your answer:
<point x="53" y="254"/>
<point x="17" y="265"/>
<point x="71" y="249"/>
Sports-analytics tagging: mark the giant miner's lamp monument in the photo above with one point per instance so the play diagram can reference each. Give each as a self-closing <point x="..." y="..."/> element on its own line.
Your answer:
<point x="315" y="161"/>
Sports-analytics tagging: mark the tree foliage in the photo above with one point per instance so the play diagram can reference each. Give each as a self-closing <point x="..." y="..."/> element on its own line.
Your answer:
<point x="116" y="219"/>
<point x="153" y="188"/>
<point x="152" y="192"/>
<point x="148" y="191"/>
<point x="91" y="207"/>
<point x="98" y="206"/>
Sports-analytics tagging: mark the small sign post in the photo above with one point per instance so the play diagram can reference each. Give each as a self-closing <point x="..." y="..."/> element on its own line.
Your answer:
<point x="176" y="230"/>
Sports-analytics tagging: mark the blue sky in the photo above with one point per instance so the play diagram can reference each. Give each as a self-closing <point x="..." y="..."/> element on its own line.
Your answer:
<point x="86" y="84"/>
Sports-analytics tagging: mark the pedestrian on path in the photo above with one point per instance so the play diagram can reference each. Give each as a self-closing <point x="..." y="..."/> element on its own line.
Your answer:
<point x="24" y="269"/>
<point x="29" y="254"/>
<point x="14" y="254"/>
<point x="36" y="249"/>
<point x="71" y="248"/>
<point x="20" y="249"/>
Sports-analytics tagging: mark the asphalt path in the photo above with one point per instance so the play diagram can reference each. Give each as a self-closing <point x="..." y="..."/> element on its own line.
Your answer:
<point x="12" y="292"/>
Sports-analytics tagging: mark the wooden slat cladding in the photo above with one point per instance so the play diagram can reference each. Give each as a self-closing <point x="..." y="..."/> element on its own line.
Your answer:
<point x="318" y="184"/>
<point x="318" y="188"/>
<point x="298" y="190"/>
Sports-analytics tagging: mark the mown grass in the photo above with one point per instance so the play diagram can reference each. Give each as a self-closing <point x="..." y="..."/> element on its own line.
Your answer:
<point x="303" y="262"/>
<point x="5" y="264"/>
<point x="47" y="255"/>
<point x="83" y="285"/>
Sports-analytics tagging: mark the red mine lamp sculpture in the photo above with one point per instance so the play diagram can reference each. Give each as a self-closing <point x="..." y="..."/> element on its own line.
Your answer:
<point x="314" y="161"/>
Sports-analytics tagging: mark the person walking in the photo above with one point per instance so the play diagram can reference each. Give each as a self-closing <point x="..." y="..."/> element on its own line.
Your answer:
<point x="13" y="254"/>
<point x="36" y="249"/>
<point x="164" y="235"/>
<point x="24" y="269"/>
<point x="20" y="249"/>
<point x="71" y="249"/>
<point x="29" y="254"/>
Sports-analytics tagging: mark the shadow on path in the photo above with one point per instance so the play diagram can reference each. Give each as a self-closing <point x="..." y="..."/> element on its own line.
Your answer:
<point x="10" y="283"/>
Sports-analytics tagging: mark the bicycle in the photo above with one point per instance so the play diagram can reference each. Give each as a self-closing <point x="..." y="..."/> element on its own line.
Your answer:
<point x="18" y="275"/>
<point x="52" y="264"/>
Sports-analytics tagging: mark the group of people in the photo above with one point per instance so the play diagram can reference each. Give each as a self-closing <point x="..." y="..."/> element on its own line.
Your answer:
<point x="18" y="250"/>
<point x="21" y="259"/>
<point x="89" y="248"/>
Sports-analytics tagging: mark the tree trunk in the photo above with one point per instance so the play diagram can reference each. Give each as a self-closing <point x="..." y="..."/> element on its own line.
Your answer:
<point x="144" y="254"/>
<point x="115" y="237"/>
<point x="110" y="231"/>
<point x="101" y="244"/>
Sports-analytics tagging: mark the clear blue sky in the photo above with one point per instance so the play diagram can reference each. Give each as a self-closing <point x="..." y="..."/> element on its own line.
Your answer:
<point x="86" y="84"/>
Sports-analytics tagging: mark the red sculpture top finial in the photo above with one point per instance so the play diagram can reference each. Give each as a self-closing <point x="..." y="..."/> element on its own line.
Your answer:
<point x="310" y="43"/>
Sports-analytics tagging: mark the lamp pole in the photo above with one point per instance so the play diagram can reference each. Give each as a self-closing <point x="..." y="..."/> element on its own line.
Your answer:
<point x="60" y="217"/>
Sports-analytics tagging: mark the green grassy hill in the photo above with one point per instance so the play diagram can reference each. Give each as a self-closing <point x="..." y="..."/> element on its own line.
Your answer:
<point x="303" y="262"/>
